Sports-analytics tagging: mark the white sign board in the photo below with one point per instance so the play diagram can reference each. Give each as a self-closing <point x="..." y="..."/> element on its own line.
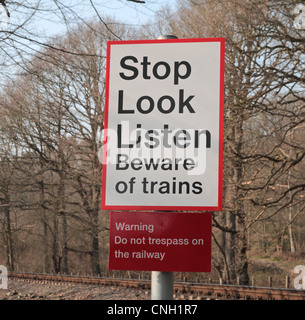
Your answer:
<point x="164" y="125"/>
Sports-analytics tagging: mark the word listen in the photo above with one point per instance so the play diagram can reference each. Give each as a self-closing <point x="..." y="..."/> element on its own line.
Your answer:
<point x="166" y="137"/>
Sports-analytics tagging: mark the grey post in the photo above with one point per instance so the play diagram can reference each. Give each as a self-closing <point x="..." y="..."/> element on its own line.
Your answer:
<point x="162" y="283"/>
<point x="168" y="36"/>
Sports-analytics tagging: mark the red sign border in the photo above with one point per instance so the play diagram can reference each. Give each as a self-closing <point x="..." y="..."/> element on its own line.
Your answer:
<point x="221" y="119"/>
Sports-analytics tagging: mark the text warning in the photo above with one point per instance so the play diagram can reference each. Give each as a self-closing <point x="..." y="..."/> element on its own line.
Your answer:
<point x="158" y="241"/>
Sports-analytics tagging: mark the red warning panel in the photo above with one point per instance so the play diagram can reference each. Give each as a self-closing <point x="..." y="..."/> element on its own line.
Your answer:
<point x="159" y="241"/>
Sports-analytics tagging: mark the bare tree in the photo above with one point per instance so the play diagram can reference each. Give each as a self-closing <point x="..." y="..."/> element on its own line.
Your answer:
<point x="56" y="113"/>
<point x="264" y="87"/>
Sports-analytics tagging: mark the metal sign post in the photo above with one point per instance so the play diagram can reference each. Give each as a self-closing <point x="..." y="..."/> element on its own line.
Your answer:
<point x="162" y="283"/>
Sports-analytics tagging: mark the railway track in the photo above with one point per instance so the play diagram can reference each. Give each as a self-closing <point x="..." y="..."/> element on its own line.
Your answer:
<point x="184" y="289"/>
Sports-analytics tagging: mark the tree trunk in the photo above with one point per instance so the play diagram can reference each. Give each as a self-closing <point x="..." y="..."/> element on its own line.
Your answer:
<point x="95" y="263"/>
<point x="9" y="248"/>
<point x="292" y="246"/>
<point x="44" y="221"/>
<point x="230" y="245"/>
<point x="46" y="260"/>
<point x="62" y="213"/>
<point x="56" y="257"/>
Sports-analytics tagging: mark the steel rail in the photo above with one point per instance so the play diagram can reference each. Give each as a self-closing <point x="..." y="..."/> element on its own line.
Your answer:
<point x="223" y="291"/>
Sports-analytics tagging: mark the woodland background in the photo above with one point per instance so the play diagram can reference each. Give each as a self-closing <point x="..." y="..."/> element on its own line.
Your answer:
<point x="51" y="118"/>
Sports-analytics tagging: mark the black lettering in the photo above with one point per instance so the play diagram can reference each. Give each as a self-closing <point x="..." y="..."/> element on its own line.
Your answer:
<point x="152" y="164"/>
<point x="167" y="164"/>
<point x="120" y="104"/>
<point x="145" y="63"/>
<point x="184" y="138"/>
<point x="145" y="183"/>
<point x="171" y="104"/>
<point x="139" y="137"/>
<point x="188" y="164"/>
<point x="123" y="161"/>
<point x="186" y="184"/>
<point x="151" y="104"/>
<point x="208" y="138"/>
<point x="174" y="185"/>
<point x="128" y="67"/>
<point x="165" y="132"/>
<point x="122" y="189"/>
<point x="120" y="145"/>
<point x="177" y="75"/>
<point x="164" y="187"/>
<point x="136" y="164"/>
<point x="166" y="73"/>
<point x="185" y="103"/>
<point x="197" y="187"/>
<point x="149" y="136"/>
<point x="152" y="186"/>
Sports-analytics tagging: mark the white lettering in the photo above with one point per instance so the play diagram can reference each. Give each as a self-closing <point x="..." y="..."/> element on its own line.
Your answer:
<point x="299" y="281"/>
<point x="3" y="277"/>
<point x="134" y="227"/>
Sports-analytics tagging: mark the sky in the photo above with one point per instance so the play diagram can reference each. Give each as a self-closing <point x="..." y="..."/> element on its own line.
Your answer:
<point x="135" y="12"/>
<point x="47" y="22"/>
<point x="123" y="10"/>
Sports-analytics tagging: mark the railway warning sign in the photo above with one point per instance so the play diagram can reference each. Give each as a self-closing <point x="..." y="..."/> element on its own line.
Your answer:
<point x="163" y="125"/>
<point x="160" y="241"/>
